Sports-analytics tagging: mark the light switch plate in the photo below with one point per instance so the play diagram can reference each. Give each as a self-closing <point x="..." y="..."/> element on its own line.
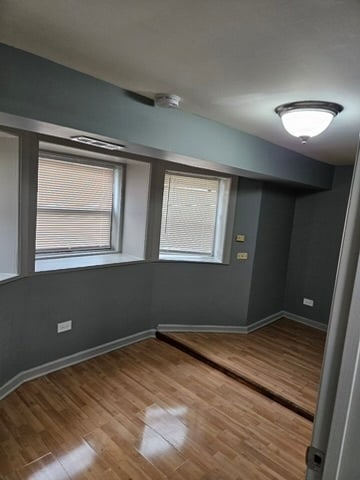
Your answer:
<point x="240" y="238"/>
<point x="242" y="256"/>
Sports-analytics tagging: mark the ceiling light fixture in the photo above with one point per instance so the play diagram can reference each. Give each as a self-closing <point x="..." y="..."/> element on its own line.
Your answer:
<point x="95" y="142"/>
<point x="308" y="118"/>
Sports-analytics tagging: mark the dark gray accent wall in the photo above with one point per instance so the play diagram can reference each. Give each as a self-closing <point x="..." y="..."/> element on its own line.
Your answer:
<point x="33" y="88"/>
<point x="315" y="244"/>
<point x="104" y="304"/>
<point x="206" y="294"/>
<point x="293" y="240"/>
<point x="271" y="253"/>
<point x="110" y="303"/>
<point x="12" y="314"/>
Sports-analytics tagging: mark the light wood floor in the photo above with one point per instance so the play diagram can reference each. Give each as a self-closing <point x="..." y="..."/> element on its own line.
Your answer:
<point x="284" y="357"/>
<point x="147" y="412"/>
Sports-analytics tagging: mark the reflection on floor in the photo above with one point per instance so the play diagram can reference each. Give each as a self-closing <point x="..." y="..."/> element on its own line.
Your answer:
<point x="284" y="358"/>
<point x="147" y="412"/>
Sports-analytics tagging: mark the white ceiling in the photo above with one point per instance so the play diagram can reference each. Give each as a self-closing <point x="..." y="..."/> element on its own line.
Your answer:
<point x="232" y="61"/>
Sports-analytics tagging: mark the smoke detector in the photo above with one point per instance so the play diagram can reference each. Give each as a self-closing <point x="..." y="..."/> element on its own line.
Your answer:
<point x="167" y="100"/>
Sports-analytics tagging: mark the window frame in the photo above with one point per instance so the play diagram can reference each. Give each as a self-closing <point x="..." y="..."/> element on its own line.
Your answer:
<point x="116" y="228"/>
<point x="221" y="221"/>
<point x="11" y="211"/>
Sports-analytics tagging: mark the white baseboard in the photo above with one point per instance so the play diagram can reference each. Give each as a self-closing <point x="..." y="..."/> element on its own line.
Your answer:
<point x="167" y="328"/>
<point x="306" y="321"/>
<point x="264" y="321"/>
<point x="78" y="357"/>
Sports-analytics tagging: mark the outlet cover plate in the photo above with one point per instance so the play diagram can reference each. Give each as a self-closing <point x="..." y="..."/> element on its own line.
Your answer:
<point x="64" y="326"/>
<point x="308" y="302"/>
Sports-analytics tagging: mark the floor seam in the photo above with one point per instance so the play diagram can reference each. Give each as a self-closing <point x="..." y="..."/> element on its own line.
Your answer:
<point x="236" y="376"/>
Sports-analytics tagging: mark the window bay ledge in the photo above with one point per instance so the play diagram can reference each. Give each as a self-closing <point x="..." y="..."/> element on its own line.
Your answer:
<point x="83" y="261"/>
<point x="7" y="276"/>
<point x="178" y="257"/>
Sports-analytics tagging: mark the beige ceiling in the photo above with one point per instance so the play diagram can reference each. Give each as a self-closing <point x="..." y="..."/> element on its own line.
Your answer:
<point x="232" y="61"/>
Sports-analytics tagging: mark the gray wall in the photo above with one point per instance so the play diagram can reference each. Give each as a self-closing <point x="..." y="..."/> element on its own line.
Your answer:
<point x="315" y="243"/>
<point x="271" y="253"/>
<point x="245" y="291"/>
<point x="34" y="88"/>
<point x="199" y="294"/>
<point x="104" y="304"/>
<point x="13" y="351"/>
<point x="110" y="303"/>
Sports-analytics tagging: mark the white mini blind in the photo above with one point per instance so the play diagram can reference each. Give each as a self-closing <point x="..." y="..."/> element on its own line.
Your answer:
<point x="74" y="208"/>
<point x="189" y="214"/>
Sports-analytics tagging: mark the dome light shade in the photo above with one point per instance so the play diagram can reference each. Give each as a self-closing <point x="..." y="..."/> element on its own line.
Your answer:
<point x="306" y="123"/>
<point x="307" y="119"/>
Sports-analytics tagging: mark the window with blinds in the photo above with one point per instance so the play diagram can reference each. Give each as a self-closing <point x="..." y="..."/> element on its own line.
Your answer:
<point x="74" y="206"/>
<point x="189" y="214"/>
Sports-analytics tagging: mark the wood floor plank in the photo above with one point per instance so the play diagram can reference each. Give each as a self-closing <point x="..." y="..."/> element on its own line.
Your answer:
<point x="45" y="468"/>
<point x="284" y="359"/>
<point x="149" y="412"/>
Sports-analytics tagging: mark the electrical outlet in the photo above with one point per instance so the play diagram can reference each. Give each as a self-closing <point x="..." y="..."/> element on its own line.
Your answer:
<point x="242" y="256"/>
<point x="64" y="326"/>
<point x="308" y="302"/>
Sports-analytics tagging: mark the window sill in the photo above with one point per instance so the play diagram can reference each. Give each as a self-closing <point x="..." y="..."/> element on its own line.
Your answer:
<point x="7" y="276"/>
<point x="171" y="257"/>
<point x="83" y="261"/>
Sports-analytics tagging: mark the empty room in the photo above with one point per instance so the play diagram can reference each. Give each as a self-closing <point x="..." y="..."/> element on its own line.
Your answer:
<point x="179" y="204"/>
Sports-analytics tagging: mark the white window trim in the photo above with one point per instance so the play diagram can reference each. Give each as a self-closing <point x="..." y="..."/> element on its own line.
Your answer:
<point x="188" y="257"/>
<point x="221" y="224"/>
<point x="134" y="212"/>
<point x="116" y="219"/>
<point x="10" y="173"/>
